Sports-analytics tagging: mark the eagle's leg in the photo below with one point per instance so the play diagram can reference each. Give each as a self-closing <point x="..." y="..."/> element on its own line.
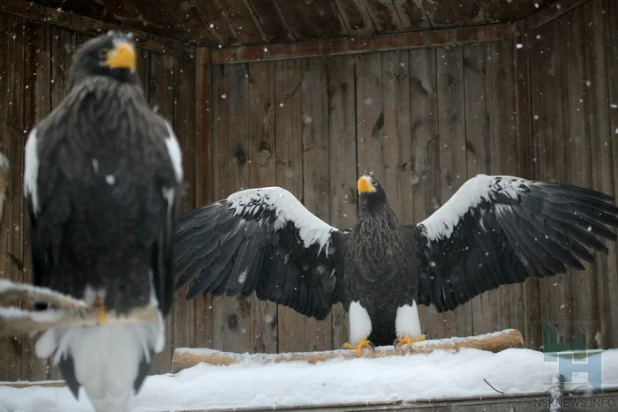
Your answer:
<point x="362" y="344"/>
<point x="98" y="304"/>
<point x="360" y="328"/>
<point x="408" y="325"/>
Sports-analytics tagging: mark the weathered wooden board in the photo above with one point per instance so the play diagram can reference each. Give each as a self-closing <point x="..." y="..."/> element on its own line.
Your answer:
<point x="316" y="171"/>
<point x="161" y="95"/>
<point x="262" y="170"/>
<point x="289" y="174"/>
<point x="452" y="138"/>
<point x="343" y="163"/>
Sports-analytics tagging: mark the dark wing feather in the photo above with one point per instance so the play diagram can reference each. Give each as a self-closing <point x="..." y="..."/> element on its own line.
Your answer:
<point x="261" y="240"/>
<point x="499" y="230"/>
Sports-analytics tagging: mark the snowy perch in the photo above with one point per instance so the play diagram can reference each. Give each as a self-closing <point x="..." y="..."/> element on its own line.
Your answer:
<point x="4" y="171"/>
<point x="68" y="312"/>
<point x="494" y="342"/>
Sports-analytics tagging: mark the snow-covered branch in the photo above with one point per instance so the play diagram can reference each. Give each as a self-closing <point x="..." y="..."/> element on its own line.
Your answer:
<point x="63" y="311"/>
<point x="494" y="342"/>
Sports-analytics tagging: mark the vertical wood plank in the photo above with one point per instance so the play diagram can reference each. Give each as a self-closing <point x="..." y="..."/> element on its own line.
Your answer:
<point x="486" y="307"/>
<point x="316" y="171"/>
<point x="611" y="44"/>
<point x="583" y="283"/>
<point x="262" y="170"/>
<point x="425" y="159"/>
<point x="161" y="92"/>
<point x="36" y="106"/>
<point x="525" y="151"/>
<point x="12" y="126"/>
<point x="184" y="128"/>
<point x="369" y="114"/>
<point x="289" y="158"/>
<point x="203" y="176"/>
<point x="500" y="93"/>
<point x="597" y="123"/>
<point x="397" y="143"/>
<point x="451" y="123"/>
<point x="232" y="315"/>
<point x="63" y="47"/>
<point x="343" y="166"/>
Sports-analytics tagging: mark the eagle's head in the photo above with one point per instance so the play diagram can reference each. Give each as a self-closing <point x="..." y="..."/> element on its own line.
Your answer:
<point x="112" y="55"/>
<point x="370" y="191"/>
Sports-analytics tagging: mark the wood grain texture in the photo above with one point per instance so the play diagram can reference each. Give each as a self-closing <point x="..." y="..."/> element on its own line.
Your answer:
<point x="289" y="168"/>
<point x="310" y="20"/>
<point x="343" y="163"/>
<point x="501" y="112"/>
<point x="184" y="128"/>
<point x="188" y="21"/>
<point x="36" y="106"/>
<point x="231" y="315"/>
<point x="316" y="171"/>
<point x="452" y="135"/>
<point x="262" y="173"/>
<point x="425" y="157"/>
<point x="272" y="23"/>
<point x="611" y="42"/>
<point x="370" y="115"/>
<point x="242" y="20"/>
<point x="479" y="159"/>
<point x="356" y="17"/>
<point x="161" y="96"/>
<point x="203" y="175"/>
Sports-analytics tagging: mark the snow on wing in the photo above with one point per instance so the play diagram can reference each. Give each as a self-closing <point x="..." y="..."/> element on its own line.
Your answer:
<point x="261" y="240"/>
<point x="498" y="230"/>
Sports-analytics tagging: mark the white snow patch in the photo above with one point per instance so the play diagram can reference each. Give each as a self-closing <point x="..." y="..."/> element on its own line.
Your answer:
<point x="442" y="222"/>
<point x="407" y="322"/>
<point x="360" y="323"/>
<point x="31" y="170"/>
<point x="351" y="382"/>
<point x="287" y="208"/>
<point x="173" y="149"/>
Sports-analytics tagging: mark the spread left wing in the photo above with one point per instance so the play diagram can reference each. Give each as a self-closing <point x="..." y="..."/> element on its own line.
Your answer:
<point x="262" y="240"/>
<point x="498" y="230"/>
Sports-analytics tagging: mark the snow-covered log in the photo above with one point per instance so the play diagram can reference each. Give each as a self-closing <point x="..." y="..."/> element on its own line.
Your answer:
<point x="4" y="171"/>
<point x="63" y="311"/>
<point x="494" y="342"/>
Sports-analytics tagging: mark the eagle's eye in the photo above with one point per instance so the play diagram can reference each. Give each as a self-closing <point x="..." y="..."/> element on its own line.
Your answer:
<point x="374" y="182"/>
<point x="104" y="52"/>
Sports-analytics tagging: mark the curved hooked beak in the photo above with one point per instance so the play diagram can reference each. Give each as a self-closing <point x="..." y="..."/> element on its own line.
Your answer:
<point x="364" y="185"/>
<point x="122" y="56"/>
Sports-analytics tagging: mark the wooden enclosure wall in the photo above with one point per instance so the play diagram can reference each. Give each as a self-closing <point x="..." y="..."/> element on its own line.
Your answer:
<point x="541" y="105"/>
<point x="34" y="61"/>
<point x="574" y="84"/>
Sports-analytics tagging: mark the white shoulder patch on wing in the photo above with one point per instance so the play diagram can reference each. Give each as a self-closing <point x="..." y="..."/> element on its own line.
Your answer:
<point x="173" y="148"/>
<point x="442" y="222"/>
<point x="31" y="171"/>
<point x="287" y="208"/>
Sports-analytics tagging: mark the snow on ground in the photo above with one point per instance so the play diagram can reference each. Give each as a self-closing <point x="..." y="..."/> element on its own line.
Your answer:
<point x="439" y="374"/>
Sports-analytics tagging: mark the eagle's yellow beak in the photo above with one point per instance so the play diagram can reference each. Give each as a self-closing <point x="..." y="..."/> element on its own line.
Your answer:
<point x="364" y="185"/>
<point x="122" y="57"/>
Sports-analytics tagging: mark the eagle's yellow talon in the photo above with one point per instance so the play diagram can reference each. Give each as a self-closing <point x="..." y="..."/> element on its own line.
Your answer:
<point x="362" y="344"/>
<point x="97" y="303"/>
<point x="408" y="341"/>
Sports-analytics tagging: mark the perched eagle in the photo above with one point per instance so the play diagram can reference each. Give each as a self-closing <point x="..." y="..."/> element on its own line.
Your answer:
<point x="495" y="230"/>
<point x="102" y="176"/>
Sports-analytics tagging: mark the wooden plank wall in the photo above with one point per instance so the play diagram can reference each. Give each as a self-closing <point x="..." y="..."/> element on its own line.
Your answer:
<point x="574" y="106"/>
<point x="424" y="120"/>
<point x="33" y="79"/>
